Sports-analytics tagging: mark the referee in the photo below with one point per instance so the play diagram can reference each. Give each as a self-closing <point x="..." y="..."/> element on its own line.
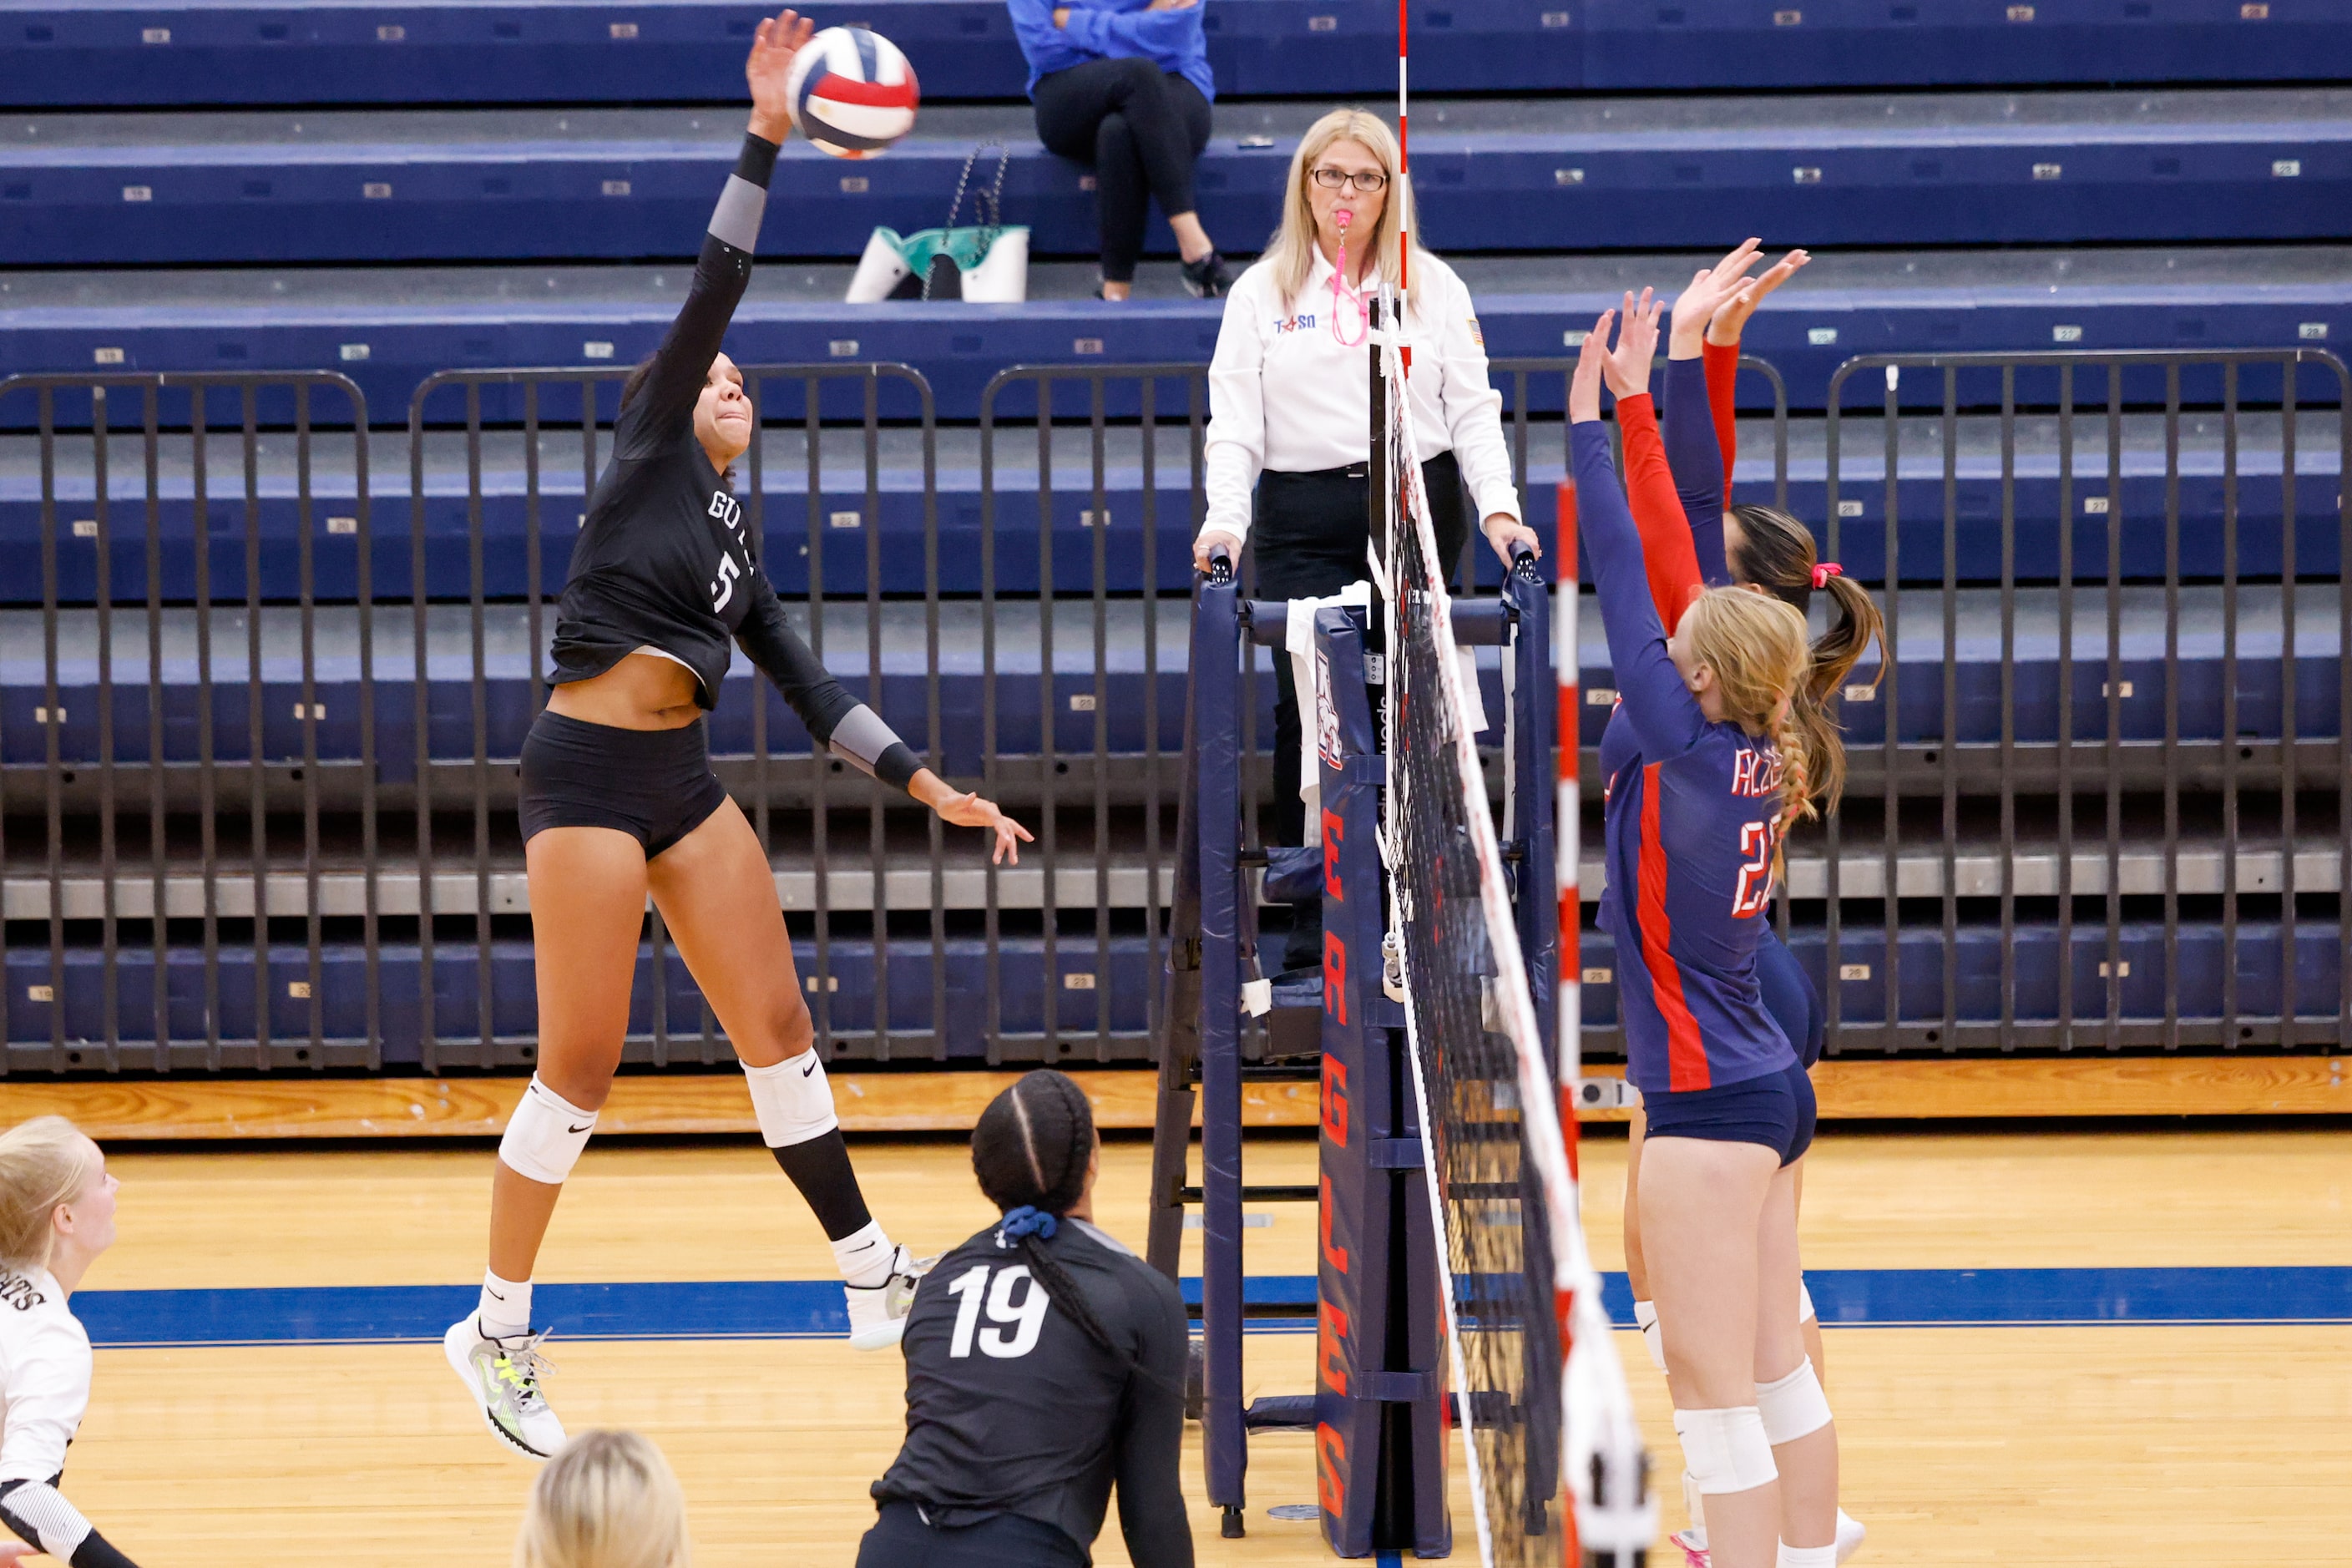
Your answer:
<point x="1290" y="411"/>
<point x="1045" y="1361"/>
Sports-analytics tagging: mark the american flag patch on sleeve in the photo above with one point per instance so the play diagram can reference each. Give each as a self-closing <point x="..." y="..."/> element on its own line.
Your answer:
<point x="1477" y="333"/>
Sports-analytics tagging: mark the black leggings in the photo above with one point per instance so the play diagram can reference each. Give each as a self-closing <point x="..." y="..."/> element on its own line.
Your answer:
<point x="1307" y="538"/>
<point x="1140" y="130"/>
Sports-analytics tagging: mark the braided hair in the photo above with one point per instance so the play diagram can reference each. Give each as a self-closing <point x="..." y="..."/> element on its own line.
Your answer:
<point x="1030" y="1151"/>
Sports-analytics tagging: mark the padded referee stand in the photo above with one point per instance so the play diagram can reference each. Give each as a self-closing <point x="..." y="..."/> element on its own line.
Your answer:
<point x="1380" y="1439"/>
<point x="1377" y="1412"/>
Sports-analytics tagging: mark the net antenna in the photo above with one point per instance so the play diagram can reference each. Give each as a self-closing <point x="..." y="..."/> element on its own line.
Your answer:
<point x="1538" y="1392"/>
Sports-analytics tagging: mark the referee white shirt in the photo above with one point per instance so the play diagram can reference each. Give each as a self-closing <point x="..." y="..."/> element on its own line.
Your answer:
<point x="1285" y="393"/>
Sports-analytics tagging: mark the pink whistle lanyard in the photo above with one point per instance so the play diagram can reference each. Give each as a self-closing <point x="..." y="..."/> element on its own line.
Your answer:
<point x="1340" y="292"/>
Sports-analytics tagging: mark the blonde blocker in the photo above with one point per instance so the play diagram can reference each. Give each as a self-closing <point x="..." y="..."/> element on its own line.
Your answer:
<point x="1756" y="645"/>
<point x="607" y="1499"/>
<point x="1291" y="252"/>
<point x="43" y="1162"/>
<point x="1776" y="553"/>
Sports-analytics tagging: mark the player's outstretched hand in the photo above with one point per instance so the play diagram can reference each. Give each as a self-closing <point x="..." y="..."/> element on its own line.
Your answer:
<point x="1584" y="386"/>
<point x="970" y="811"/>
<point x="1627" y="367"/>
<point x="1730" y="318"/>
<point x="1711" y="288"/>
<point x="16" y="1551"/>
<point x="779" y="37"/>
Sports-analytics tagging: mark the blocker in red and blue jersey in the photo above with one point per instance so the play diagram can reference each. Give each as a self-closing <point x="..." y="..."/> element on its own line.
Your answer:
<point x="853" y="94"/>
<point x="1691" y="830"/>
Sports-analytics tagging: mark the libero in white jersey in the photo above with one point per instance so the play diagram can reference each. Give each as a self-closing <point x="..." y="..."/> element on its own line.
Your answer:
<point x="57" y="1214"/>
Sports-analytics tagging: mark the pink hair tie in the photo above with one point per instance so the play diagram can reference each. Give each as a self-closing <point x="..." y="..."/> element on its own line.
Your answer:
<point x="1825" y="572"/>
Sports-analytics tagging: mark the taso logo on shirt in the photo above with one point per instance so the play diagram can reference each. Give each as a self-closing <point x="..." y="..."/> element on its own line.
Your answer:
<point x="1301" y="323"/>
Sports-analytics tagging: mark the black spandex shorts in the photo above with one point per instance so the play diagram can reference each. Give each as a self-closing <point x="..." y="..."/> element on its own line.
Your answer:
<point x="900" y="1539"/>
<point x="656" y="786"/>
<point x="1776" y="1111"/>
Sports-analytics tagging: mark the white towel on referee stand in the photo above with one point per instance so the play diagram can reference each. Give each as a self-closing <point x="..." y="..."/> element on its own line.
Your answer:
<point x="1310" y="680"/>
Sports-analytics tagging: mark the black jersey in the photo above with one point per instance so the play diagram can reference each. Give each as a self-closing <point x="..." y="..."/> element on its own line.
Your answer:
<point x="1012" y="1409"/>
<point x="665" y="558"/>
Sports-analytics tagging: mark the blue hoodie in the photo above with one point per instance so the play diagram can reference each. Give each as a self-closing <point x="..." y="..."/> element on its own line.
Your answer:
<point x="1113" y="31"/>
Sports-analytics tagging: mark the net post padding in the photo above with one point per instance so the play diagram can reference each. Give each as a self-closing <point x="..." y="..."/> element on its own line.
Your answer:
<point x="1528" y="1338"/>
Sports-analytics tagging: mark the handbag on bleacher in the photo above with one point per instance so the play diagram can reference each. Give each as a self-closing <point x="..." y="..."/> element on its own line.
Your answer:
<point x="983" y="264"/>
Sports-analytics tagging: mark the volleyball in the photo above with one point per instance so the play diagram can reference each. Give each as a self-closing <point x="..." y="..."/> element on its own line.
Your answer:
<point x="853" y="94"/>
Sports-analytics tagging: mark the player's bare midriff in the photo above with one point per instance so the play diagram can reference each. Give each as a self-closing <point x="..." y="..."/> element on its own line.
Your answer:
<point x="644" y="691"/>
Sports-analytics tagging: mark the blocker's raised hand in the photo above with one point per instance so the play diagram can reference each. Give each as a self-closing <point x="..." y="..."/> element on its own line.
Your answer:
<point x="1711" y="290"/>
<point x="1584" y="386"/>
<point x="1730" y="318"/>
<point x="780" y="38"/>
<point x="1628" y="365"/>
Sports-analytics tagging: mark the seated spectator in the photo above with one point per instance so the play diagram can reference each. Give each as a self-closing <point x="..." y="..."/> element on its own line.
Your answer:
<point x="607" y="1499"/>
<point x="1045" y="1361"/>
<point x="1123" y="86"/>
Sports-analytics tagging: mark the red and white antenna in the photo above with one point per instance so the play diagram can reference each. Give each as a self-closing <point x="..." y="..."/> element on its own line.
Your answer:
<point x="1404" y="190"/>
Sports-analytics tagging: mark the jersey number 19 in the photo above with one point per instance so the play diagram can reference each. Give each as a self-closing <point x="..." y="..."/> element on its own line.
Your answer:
<point x="1014" y="1326"/>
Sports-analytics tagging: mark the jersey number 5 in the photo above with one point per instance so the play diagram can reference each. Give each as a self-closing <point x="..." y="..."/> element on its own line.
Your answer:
<point x="722" y="587"/>
<point x="1013" y="1329"/>
<point x="1754" y="890"/>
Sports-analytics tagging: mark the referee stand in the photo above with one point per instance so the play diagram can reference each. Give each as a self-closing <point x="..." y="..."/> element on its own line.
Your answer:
<point x="1379" y="1410"/>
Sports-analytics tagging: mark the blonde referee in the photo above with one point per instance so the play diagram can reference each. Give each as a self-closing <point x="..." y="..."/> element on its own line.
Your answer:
<point x="1290" y="411"/>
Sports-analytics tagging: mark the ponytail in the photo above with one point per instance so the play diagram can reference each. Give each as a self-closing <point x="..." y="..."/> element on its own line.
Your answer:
<point x="1030" y="1149"/>
<point x="1776" y="553"/>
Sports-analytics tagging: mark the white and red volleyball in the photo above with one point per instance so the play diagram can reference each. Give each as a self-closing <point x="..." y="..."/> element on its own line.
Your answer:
<point x="853" y="94"/>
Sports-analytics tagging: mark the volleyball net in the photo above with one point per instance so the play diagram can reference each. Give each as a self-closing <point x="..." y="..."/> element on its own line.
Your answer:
<point x="1553" y="1456"/>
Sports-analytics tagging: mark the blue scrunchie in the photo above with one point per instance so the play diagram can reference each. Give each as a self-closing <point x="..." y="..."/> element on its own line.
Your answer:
<point x="1026" y="1221"/>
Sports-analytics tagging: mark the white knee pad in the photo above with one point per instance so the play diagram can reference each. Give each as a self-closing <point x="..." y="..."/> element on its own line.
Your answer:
<point x="792" y="1100"/>
<point x="1793" y="1405"/>
<point x="1725" y="1450"/>
<point x="545" y="1134"/>
<point x="1645" y="1316"/>
<point x="1805" y="1314"/>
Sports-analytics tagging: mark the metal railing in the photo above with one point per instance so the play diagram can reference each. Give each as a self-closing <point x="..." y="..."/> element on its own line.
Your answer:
<point x="1959" y="775"/>
<point x="311" y="718"/>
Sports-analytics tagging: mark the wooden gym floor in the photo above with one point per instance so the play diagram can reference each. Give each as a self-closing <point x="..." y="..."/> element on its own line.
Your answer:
<point x="2026" y="1442"/>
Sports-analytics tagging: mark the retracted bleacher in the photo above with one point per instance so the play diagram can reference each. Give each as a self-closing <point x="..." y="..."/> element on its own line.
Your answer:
<point x="2110" y="814"/>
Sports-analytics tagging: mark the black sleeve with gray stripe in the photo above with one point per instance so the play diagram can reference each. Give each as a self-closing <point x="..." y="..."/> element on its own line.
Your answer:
<point x="664" y="408"/>
<point x="853" y="732"/>
<point x="42" y="1519"/>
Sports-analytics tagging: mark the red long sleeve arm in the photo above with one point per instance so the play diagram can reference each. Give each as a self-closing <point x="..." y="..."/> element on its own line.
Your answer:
<point x="1669" y="559"/>
<point x="1722" y="375"/>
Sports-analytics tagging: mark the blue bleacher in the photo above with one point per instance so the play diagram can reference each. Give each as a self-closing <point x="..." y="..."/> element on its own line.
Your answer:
<point x="389" y="331"/>
<point x="839" y="531"/>
<point x="1978" y="955"/>
<point x="587" y="185"/>
<point x="156" y="52"/>
<point x="457" y="970"/>
<point x="506" y="668"/>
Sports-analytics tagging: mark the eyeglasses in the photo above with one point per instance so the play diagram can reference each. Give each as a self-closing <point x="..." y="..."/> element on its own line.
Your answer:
<point x="1366" y="180"/>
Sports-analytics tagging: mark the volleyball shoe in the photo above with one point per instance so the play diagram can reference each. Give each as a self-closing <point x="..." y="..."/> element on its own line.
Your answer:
<point x="502" y="1377"/>
<point x="877" y="1313"/>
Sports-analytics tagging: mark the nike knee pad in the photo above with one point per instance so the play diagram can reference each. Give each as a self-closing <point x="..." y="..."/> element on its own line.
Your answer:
<point x="1645" y="1317"/>
<point x="545" y="1134"/>
<point x="1794" y="1406"/>
<point x="1725" y="1450"/>
<point x="792" y="1100"/>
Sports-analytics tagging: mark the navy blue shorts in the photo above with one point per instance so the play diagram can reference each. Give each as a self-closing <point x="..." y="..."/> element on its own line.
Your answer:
<point x="903" y="1538"/>
<point x="656" y="786"/>
<point x="1776" y="1111"/>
